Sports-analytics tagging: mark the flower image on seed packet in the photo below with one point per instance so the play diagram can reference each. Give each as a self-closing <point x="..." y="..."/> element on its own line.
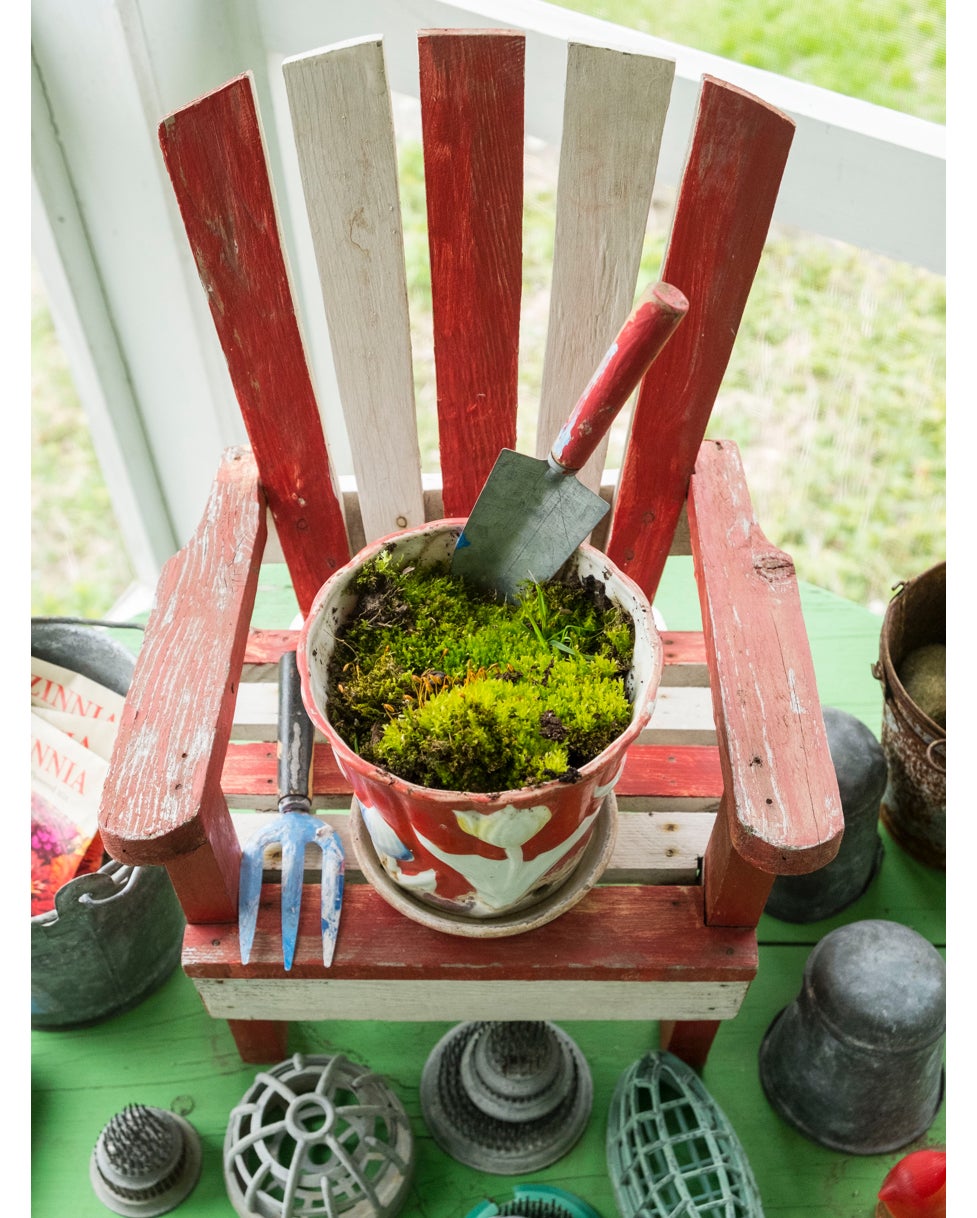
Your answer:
<point x="66" y="786"/>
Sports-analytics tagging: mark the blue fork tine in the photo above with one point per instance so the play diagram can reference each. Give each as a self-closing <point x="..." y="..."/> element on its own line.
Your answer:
<point x="333" y="878"/>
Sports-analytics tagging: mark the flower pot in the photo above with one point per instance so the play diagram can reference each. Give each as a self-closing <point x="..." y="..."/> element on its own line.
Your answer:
<point x="478" y="855"/>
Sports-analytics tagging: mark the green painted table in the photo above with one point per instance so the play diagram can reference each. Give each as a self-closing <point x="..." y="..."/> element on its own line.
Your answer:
<point x="169" y="1053"/>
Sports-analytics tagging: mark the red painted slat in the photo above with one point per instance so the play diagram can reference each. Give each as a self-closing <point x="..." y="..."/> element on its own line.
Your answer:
<point x="215" y="156"/>
<point x="472" y="104"/>
<point x="266" y="646"/>
<point x="162" y="801"/>
<point x="666" y="941"/>
<point x="683" y="647"/>
<point x="682" y="771"/>
<point x="725" y="201"/>
<point x="785" y="809"/>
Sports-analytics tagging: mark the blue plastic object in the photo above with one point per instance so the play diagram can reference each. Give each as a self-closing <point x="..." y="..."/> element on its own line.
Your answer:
<point x="536" y="1201"/>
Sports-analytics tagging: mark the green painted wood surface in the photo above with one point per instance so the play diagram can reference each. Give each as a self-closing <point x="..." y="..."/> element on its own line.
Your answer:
<point x="169" y="1053"/>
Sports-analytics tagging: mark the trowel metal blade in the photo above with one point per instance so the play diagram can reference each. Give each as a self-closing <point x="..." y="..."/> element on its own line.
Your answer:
<point x="527" y="521"/>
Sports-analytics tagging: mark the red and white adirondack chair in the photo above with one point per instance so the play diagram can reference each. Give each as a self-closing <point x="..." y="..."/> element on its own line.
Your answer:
<point x="705" y="823"/>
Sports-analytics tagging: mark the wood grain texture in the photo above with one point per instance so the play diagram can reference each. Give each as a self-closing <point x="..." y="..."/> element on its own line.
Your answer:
<point x="667" y="941"/>
<point x="162" y="802"/>
<point x="776" y="765"/>
<point x="260" y="1040"/>
<point x="344" y="137"/>
<point x="735" y="892"/>
<point x="613" y="115"/>
<point x="472" y="105"/>
<point x="301" y="998"/>
<point x="214" y="153"/>
<point x="689" y="1039"/>
<point x="725" y="201"/>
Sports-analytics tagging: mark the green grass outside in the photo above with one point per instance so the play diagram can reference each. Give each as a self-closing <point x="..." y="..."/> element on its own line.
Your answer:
<point x="79" y="566"/>
<point x="835" y="392"/>
<point x="889" y="52"/>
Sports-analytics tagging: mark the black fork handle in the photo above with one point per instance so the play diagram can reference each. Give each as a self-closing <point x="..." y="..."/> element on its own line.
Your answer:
<point x="296" y="733"/>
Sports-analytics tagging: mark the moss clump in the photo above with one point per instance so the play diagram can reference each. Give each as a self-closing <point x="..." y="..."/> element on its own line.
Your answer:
<point x="923" y="676"/>
<point x="450" y="688"/>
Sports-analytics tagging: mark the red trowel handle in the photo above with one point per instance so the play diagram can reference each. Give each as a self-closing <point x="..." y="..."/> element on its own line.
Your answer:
<point x="650" y="325"/>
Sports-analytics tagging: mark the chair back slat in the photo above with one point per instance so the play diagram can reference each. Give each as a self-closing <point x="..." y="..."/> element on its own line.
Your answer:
<point x="472" y="88"/>
<point x="343" y="126"/>
<point x="614" y="112"/>
<point x="214" y="153"/>
<point x="722" y="214"/>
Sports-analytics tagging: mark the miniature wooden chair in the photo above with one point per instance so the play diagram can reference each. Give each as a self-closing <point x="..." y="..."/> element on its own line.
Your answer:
<point x="709" y="811"/>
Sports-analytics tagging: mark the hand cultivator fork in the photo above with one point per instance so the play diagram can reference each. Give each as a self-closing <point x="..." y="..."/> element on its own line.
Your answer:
<point x="293" y="829"/>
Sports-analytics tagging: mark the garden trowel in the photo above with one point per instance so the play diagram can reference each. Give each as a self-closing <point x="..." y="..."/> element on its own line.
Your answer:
<point x="532" y="514"/>
<point x="293" y="829"/>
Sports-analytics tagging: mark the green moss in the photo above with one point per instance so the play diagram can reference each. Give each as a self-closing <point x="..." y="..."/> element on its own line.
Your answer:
<point x="923" y="676"/>
<point x="450" y="688"/>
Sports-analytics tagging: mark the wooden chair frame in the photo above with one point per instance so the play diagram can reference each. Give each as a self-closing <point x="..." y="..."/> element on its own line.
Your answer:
<point x="710" y="810"/>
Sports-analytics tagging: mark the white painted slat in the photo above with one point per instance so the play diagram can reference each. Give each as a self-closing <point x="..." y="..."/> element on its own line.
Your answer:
<point x="661" y="847"/>
<point x="343" y="125"/>
<point x="294" y="998"/>
<point x="682" y="715"/>
<point x="675" y="676"/>
<point x="614" y="114"/>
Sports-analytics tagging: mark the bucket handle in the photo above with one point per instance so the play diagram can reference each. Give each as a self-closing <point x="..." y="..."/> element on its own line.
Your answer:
<point x="936" y="760"/>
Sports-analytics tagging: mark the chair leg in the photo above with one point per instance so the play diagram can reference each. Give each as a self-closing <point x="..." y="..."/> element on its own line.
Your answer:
<point x="261" y="1041"/>
<point x="689" y="1039"/>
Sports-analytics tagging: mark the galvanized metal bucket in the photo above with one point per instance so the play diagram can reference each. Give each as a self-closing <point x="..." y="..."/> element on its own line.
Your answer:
<point x="855" y="1062"/>
<point x="115" y="935"/>
<point x="914" y="804"/>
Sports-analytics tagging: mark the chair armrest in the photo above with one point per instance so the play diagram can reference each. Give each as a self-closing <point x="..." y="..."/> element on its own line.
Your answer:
<point x="162" y="802"/>
<point x="783" y="806"/>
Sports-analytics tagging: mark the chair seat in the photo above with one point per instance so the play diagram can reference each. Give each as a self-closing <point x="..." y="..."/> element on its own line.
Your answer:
<point x="625" y="950"/>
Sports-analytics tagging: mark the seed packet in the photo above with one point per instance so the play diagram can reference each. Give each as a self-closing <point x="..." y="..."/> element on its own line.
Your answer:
<point x="73" y="726"/>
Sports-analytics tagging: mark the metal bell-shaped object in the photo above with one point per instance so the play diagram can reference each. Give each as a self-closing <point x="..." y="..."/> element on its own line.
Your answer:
<point x="855" y="1062"/>
<point x="860" y="767"/>
<point x="508" y="1096"/>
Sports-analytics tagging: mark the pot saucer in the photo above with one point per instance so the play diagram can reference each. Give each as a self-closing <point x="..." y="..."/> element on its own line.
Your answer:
<point x="593" y="862"/>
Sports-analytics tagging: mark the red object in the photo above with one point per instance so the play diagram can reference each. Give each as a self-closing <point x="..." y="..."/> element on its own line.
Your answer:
<point x="472" y="90"/>
<point x="915" y="1187"/>
<point x="729" y="187"/>
<point x="214" y="152"/>
<point x="650" y="325"/>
